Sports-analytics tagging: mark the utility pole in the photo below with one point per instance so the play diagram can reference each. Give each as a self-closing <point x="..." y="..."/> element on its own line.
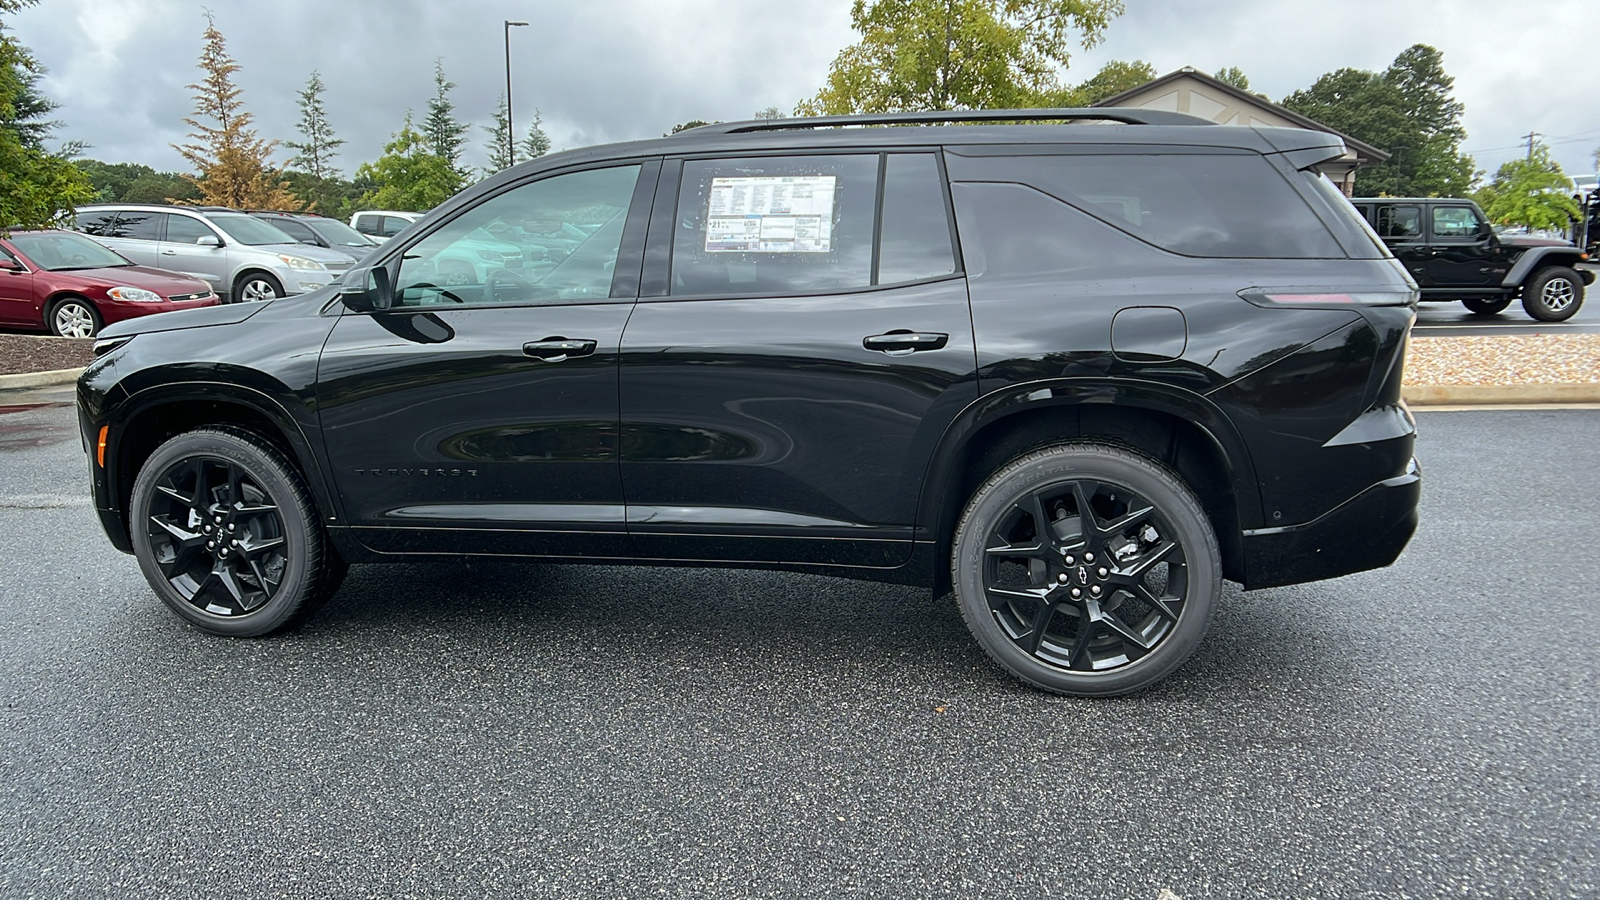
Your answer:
<point x="511" y="133"/>
<point x="1530" y="136"/>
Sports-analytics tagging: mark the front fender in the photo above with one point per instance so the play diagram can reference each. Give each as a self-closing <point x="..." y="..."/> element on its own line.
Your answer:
<point x="1536" y="258"/>
<point x="1068" y="394"/>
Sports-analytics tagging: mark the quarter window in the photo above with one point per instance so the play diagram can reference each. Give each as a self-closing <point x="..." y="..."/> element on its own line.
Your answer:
<point x="780" y="225"/>
<point x="551" y="241"/>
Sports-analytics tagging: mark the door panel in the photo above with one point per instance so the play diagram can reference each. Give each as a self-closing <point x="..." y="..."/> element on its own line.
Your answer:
<point x="17" y="303"/>
<point x="747" y="420"/>
<point x="180" y="253"/>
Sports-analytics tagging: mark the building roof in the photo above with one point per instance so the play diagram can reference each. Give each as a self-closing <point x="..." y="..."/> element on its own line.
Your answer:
<point x="1365" y="152"/>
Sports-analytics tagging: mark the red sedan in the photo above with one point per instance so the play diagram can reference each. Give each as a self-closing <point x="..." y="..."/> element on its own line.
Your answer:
<point x="71" y="286"/>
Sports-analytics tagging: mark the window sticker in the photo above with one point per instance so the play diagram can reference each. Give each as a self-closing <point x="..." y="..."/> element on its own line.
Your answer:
<point x="771" y="214"/>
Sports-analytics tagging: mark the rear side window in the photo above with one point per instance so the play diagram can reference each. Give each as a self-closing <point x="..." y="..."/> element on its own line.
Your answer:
<point x="1207" y="205"/>
<point x="140" y="226"/>
<point x="792" y="224"/>
<point x="393" y="225"/>
<point x="367" y="224"/>
<point x="99" y="223"/>
<point x="915" y="240"/>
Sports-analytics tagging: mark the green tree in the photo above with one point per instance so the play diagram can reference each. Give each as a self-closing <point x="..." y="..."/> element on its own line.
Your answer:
<point x="1233" y="76"/>
<point x="409" y="175"/>
<point x="769" y="113"/>
<point x="502" y="152"/>
<point x="692" y="123"/>
<point x="445" y="133"/>
<point x="135" y="183"/>
<point x="1531" y="192"/>
<point x="37" y="188"/>
<point x="320" y="146"/>
<point x="234" y="165"/>
<point x="1408" y="111"/>
<point x="537" y="143"/>
<point x="958" y="54"/>
<point x="1112" y="79"/>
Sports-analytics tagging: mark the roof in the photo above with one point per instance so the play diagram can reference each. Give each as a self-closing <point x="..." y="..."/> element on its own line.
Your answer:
<point x="1365" y="151"/>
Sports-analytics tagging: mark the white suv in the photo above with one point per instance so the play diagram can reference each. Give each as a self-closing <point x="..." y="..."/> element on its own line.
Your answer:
<point x="241" y="257"/>
<point x="382" y="224"/>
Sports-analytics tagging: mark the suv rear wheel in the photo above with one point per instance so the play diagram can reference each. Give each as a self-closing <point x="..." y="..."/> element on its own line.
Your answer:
<point x="1553" y="295"/>
<point x="1488" y="307"/>
<point x="226" y="532"/>
<point x="1086" y="569"/>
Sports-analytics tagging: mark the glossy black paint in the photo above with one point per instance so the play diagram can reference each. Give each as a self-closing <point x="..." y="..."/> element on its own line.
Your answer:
<point x="762" y="430"/>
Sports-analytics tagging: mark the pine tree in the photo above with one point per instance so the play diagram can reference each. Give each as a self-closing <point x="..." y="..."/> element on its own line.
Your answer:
<point x="233" y="163"/>
<point x="445" y="133"/>
<point x="502" y="153"/>
<point x="320" y="146"/>
<point x="537" y="143"/>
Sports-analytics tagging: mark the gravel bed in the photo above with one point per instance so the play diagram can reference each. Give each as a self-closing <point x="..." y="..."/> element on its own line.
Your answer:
<point x="20" y="353"/>
<point x="1504" y="360"/>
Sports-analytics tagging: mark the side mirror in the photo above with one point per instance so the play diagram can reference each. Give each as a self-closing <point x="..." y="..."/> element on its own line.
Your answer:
<point x="208" y="240"/>
<point x="10" y="265"/>
<point x="367" y="289"/>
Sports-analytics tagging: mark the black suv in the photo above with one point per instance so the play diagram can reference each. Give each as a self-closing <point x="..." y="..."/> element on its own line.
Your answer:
<point x="1078" y="373"/>
<point x="1449" y="248"/>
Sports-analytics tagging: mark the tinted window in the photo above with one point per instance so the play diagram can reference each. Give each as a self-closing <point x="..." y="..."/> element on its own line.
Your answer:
<point x="553" y="240"/>
<point x="140" y="226"/>
<point x="294" y="229"/>
<point x="100" y="223"/>
<point x="1455" y="221"/>
<point x="249" y="230"/>
<point x="185" y="230"/>
<point x="773" y="226"/>
<point x="1013" y="231"/>
<point x="915" y="239"/>
<point x="393" y="225"/>
<point x="368" y="224"/>
<point x="336" y="232"/>
<point x="1399" y="222"/>
<point x="1211" y="205"/>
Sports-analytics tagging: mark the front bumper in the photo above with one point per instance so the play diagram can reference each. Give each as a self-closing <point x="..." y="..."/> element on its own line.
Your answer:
<point x="1368" y="531"/>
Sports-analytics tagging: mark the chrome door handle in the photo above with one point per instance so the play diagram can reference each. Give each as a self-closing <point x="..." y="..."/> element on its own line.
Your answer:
<point x="169" y="253"/>
<point x="901" y="343"/>
<point x="556" y="349"/>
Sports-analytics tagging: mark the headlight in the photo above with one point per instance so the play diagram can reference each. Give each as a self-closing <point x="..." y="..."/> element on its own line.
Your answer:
<point x="130" y="294"/>
<point x="300" y="262"/>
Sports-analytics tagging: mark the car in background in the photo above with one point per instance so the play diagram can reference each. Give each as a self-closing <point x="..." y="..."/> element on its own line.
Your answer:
<point x="319" y="231"/>
<point x="382" y="224"/>
<point x="71" y="286"/>
<point x="240" y="257"/>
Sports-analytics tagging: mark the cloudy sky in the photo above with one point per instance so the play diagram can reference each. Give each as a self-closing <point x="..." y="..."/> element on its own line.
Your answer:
<point x="609" y="70"/>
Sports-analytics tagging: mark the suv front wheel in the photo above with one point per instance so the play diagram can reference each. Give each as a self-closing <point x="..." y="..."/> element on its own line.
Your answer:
<point x="254" y="286"/>
<point x="1553" y="295"/>
<point x="1086" y="569"/>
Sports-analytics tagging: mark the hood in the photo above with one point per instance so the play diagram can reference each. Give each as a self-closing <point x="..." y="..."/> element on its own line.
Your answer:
<point x="1525" y="240"/>
<point x="333" y="259"/>
<point x="159" y="280"/>
<point x="227" y="314"/>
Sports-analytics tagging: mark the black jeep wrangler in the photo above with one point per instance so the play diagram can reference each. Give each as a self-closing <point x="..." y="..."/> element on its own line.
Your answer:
<point x="1079" y="374"/>
<point x="1449" y="248"/>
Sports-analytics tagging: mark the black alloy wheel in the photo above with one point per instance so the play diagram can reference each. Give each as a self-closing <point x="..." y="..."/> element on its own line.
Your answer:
<point x="1086" y="569"/>
<point x="225" y="531"/>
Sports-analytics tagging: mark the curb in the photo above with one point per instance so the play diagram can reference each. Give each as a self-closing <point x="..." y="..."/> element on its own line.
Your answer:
<point x="39" y="379"/>
<point x="1426" y="395"/>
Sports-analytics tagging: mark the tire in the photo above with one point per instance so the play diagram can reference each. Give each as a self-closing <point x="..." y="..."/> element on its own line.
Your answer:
<point x="227" y="534"/>
<point x="1554" y="294"/>
<point x="73" y="317"/>
<point x="1486" y="307"/>
<point x="253" y="286"/>
<point x="1151" y="539"/>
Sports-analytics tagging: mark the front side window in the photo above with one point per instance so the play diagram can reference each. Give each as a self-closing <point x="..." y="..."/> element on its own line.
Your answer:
<point x="781" y="225"/>
<point x="368" y="224"/>
<point x="550" y="241"/>
<point x="184" y="230"/>
<point x="249" y="230"/>
<point x="1454" y="222"/>
<point x="295" y="230"/>
<point x="1402" y="223"/>
<point x="392" y="225"/>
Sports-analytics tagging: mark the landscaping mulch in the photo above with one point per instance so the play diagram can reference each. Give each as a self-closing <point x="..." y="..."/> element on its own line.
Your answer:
<point x="21" y="353"/>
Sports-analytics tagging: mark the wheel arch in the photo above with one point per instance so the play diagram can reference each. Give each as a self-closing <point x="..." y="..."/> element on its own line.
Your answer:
<point x="245" y="273"/>
<point x="1536" y="258"/>
<point x="1183" y="430"/>
<point x="151" y="416"/>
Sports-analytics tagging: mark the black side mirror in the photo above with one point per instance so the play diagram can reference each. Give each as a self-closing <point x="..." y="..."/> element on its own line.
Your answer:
<point x="367" y="289"/>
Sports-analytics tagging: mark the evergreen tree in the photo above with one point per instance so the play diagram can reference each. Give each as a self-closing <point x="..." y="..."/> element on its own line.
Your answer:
<point x="233" y="163"/>
<point x="37" y="188"/>
<point x="444" y="132"/>
<point x="409" y="175"/>
<point x="320" y="146"/>
<point x="502" y="152"/>
<point x="537" y="143"/>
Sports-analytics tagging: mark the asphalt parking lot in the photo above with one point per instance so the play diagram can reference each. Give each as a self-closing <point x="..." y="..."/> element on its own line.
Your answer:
<point x="502" y="729"/>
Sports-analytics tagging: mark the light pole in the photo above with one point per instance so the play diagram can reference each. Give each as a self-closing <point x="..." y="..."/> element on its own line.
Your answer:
<point x="511" y="133"/>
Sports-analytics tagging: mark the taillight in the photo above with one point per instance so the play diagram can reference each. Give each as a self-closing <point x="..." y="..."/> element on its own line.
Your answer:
<point x="1322" y="298"/>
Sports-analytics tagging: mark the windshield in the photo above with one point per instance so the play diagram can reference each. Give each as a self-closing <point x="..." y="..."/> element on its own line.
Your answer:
<point x="336" y="232"/>
<point x="59" y="252"/>
<point x="248" y="230"/>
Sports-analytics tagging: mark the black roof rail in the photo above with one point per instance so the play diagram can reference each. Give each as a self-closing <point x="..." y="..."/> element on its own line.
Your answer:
<point x="1119" y="115"/>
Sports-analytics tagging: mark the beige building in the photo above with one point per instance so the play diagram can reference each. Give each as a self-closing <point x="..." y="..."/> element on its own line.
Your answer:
<point x="1198" y="94"/>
